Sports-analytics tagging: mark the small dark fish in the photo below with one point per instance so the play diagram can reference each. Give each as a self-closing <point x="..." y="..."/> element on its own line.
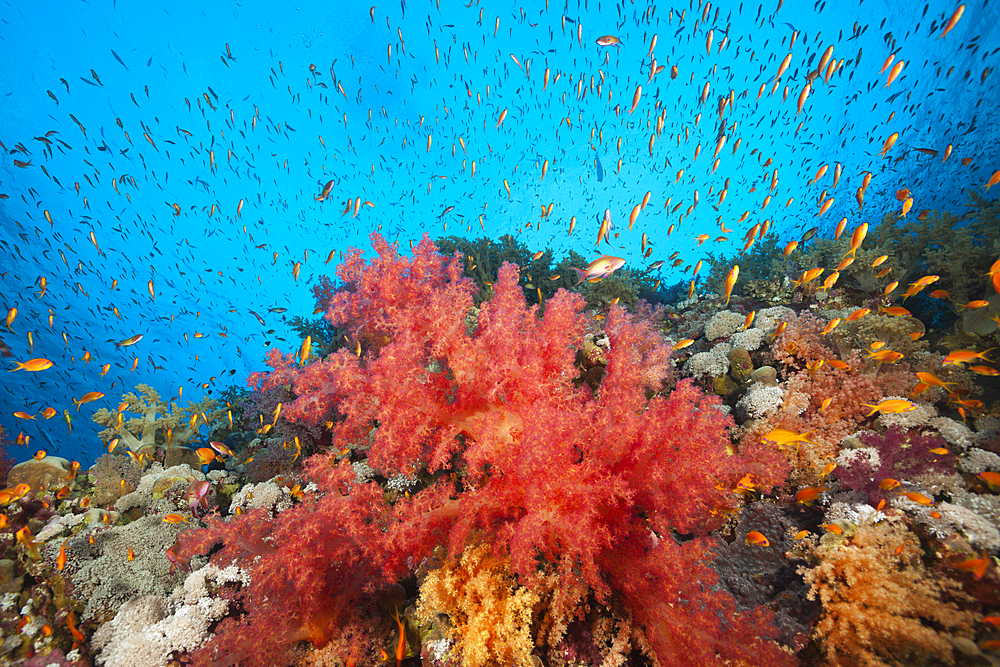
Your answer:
<point x="809" y="234"/>
<point x="655" y="265"/>
<point x="149" y="62"/>
<point x="447" y="210"/>
<point x="277" y="310"/>
<point x="90" y="82"/>
<point x="213" y="93"/>
<point x="600" y="169"/>
<point x="259" y="318"/>
<point x="96" y="78"/>
<point x="118" y="59"/>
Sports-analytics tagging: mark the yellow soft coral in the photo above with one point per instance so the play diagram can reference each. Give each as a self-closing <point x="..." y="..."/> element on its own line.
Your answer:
<point x="880" y="606"/>
<point x="490" y="614"/>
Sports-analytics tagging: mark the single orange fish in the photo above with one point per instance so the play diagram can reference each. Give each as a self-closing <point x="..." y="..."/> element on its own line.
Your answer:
<point x="858" y="314"/>
<point x="61" y="558"/>
<point x="757" y="538"/>
<point x="918" y="498"/>
<point x="89" y="397"/>
<point x="808" y="494"/>
<point x="731" y="278"/>
<point x="891" y="406"/>
<point x="32" y="365"/>
<point x="684" y="342"/>
<point x="932" y="380"/>
<point x="965" y="356"/>
<point x="832" y="528"/>
<point x="991" y="478"/>
<point x="886" y="356"/>
<point x="782" y="437"/>
<point x="888" y="484"/>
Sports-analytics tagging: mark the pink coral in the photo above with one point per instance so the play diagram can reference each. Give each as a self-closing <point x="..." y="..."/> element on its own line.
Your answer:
<point x="523" y="456"/>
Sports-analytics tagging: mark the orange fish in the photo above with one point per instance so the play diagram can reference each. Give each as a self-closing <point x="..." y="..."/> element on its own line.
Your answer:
<point x="888" y="484"/>
<point x="745" y="485"/>
<point x="61" y="558"/>
<point x="401" y="645"/>
<point x="991" y="478"/>
<point x="25" y="538"/>
<point x="832" y="528"/>
<point x="781" y="437"/>
<point x="933" y="381"/>
<point x="757" y="538"/>
<point x="808" y="494"/>
<point x="32" y="365"/>
<point x="731" y="278"/>
<point x="952" y="21"/>
<point x="205" y="455"/>
<point x="917" y="497"/>
<point x="965" y="356"/>
<point x="684" y="342"/>
<point x="977" y="566"/>
<point x="896" y="311"/>
<point x="89" y="397"/>
<point x="886" y="356"/>
<point x="891" y="406"/>
<point x="174" y="518"/>
<point x="887" y="146"/>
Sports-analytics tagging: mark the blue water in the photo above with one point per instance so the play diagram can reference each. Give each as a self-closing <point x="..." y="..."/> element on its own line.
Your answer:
<point x="259" y="78"/>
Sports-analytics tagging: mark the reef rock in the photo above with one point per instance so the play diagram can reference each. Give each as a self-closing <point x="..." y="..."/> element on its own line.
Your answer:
<point x="48" y="474"/>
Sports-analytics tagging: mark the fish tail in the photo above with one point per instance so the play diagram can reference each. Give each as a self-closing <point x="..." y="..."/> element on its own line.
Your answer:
<point x="580" y="274"/>
<point x="19" y="367"/>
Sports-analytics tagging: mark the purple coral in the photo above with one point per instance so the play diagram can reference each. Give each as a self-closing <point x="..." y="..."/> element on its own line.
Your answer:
<point x="902" y="454"/>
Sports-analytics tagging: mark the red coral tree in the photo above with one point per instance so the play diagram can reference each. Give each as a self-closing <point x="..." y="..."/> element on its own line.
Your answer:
<point x="593" y="484"/>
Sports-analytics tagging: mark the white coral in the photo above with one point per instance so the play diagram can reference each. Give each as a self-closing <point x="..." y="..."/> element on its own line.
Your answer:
<point x="768" y="318"/>
<point x="749" y="340"/>
<point x="979" y="460"/>
<point x="956" y="433"/>
<point x="266" y="494"/>
<point x="760" y="400"/>
<point x="918" y="416"/>
<point x="714" y="362"/>
<point x="147" y="630"/>
<point x="723" y="323"/>
<point x="868" y="455"/>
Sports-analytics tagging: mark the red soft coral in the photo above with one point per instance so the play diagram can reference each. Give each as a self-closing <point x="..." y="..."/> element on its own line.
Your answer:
<point x="524" y="456"/>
